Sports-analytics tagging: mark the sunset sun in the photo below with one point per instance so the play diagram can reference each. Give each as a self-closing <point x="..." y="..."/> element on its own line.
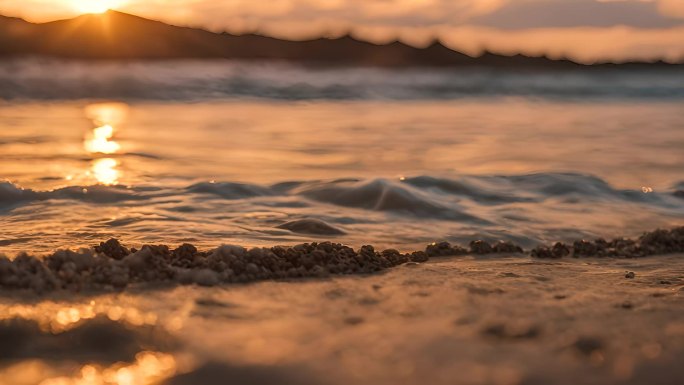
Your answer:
<point x="95" y="6"/>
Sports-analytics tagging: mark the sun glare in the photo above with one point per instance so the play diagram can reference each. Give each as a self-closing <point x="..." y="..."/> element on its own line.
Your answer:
<point x="95" y="6"/>
<point x="99" y="140"/>
<point x="105" y="172"/>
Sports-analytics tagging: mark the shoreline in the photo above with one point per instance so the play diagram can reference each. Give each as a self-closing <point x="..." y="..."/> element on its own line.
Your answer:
<point x="111" y="266"/>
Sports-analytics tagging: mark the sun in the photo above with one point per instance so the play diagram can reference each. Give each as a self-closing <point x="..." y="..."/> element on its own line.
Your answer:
<point x="95" y="6"/>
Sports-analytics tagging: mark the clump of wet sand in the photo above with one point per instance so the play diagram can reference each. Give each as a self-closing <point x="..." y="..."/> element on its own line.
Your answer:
<point x="651" y="243"/>
<point x="112" y="266"/>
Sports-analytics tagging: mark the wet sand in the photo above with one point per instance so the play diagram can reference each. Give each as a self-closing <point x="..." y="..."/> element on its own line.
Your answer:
<point x="495" y="319"/>
<point x="111" y="266"/>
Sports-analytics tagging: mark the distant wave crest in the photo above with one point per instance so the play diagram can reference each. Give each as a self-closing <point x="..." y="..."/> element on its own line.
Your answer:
<point x="201" y="80"/>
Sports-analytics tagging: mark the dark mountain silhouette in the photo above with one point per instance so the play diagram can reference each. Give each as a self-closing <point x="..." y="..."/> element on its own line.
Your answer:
<point x="120" y="36"/>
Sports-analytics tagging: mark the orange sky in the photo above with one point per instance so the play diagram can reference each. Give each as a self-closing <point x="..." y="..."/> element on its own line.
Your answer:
<point x="582" y="29"/>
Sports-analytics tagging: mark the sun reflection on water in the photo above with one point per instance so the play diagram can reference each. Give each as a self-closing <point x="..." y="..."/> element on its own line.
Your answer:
<point x="148" y="368"/>
<point x="105" y="171"/>
<point x="100" y="140"/>
<point x="58" y="318"/>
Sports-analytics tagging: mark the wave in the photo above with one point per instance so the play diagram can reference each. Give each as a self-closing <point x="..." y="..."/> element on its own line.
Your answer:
<point x="229" y="190"/>
<point x="420" y="196"/>
<point x="387" y="212"/>
<point x="311" y="226"/>
<point x="11" y="194"/>
<point x="428" y="196"/>
<point x="201" y="80"/>
<point x="381" y="195"/>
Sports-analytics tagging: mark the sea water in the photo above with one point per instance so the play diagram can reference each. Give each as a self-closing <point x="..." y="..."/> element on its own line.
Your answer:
<point x="211" y="153"/>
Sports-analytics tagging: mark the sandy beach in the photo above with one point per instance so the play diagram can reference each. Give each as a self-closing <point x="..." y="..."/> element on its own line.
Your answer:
<point x="453" y="320"/>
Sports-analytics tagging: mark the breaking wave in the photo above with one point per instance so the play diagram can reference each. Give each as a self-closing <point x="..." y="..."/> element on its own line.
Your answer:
<point x="421" y="196"/>
<point x="405" y="213"/>
<point x="201" y="80"/>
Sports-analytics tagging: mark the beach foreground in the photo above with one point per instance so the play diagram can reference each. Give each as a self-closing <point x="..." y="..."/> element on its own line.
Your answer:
<point x="452" y="320"/>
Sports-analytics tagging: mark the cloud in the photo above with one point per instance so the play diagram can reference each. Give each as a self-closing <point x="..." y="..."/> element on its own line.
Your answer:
<point x="584" y="44"/>
<point x="496" y="13"/>
<point x="673" y="8"/>
<point x="667" y="8"/>
<point x="522" y="14"/>
<point x="399" y="12"/>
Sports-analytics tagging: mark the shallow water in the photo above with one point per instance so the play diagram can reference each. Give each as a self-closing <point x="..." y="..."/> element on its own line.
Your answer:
<point x="389" y="173"/>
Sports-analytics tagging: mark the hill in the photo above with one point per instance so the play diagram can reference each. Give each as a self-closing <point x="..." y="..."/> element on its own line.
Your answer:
<point x="120" y="36"/>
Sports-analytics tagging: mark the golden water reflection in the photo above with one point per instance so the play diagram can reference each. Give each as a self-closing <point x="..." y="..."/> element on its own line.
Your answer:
<point x="58" y="318"/>
<point x="148" y="368"/>
<point x="105" y="171"/>
<point x="100" y="140"/>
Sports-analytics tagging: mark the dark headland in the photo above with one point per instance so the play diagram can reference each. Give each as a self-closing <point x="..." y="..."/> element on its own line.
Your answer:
<point x="120" y="36"/>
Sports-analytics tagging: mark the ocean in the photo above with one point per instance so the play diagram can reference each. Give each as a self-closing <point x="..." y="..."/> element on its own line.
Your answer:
<point x="213" y="153"/>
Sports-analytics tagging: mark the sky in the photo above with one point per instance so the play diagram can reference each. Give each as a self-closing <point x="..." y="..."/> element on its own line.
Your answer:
<point x="585" y="30"/>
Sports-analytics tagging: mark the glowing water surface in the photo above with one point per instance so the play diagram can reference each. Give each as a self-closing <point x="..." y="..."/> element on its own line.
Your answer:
<point x="392" y="173"/>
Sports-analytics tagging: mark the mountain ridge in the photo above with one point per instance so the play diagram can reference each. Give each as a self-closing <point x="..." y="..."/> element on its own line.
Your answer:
<point x="116" y="35"/>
